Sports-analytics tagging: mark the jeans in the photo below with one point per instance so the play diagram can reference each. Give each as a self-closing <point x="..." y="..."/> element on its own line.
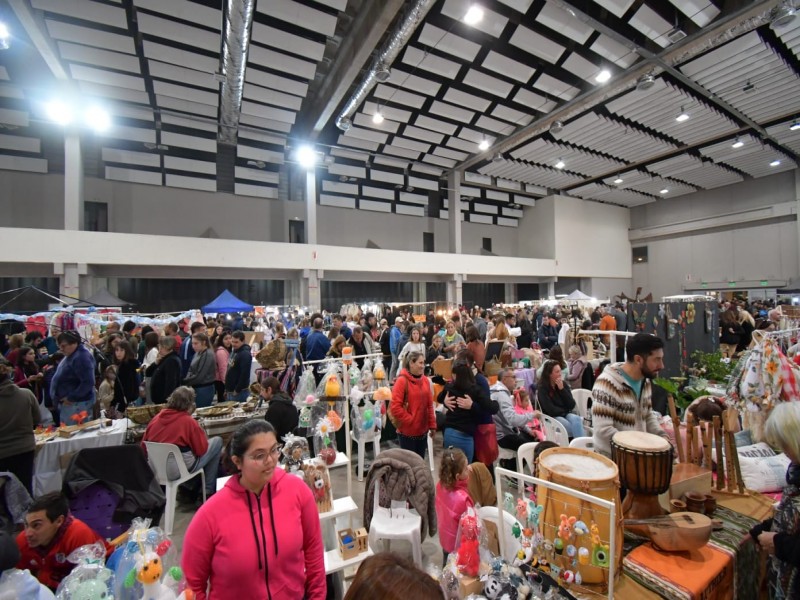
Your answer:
<point x="574" y="425"/>
<point x="417" y="444"/>
<point x="209" y="462"/>
<point x="67" y="410"/>
<point x="462" y="441"/>
<point x="395" y="367"/>
<point x="240" y="397"/>
<point x="203" y="395"/>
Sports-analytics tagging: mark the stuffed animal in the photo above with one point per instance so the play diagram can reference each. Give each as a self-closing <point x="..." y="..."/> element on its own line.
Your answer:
<point x="580" y="528"/>
<point x="78" y="587"/>
<point x="316" y="477"/>
<point x="497" y="588"/>
<point x="148" y="571"/>
<point x="468" y="550"/>
<point x="522" y="510"/>
<point x="565" y="529"/>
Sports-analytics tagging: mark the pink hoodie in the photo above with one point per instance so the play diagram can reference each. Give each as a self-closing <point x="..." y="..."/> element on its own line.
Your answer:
<point x="237" y="540"/>
<point x="450" y="505"/>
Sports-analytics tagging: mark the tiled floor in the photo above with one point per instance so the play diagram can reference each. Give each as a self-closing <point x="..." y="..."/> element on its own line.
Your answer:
<point x="432" y="551"/>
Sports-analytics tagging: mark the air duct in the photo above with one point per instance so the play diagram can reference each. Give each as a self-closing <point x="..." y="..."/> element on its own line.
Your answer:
<point x="379" y="70"/>
<point x="235" y="44"/>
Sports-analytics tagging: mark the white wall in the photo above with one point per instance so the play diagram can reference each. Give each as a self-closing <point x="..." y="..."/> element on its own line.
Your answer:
<point x="536" y="230"/>
<point x="741" y="247"/>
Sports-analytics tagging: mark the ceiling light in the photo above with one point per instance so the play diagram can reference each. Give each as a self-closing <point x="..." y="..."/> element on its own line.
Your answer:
<point x="377" y="118"/>
<point x="59" y="112"/>
<point x="737" y="144"/>
<point x="498" y="157"/>
<point x="556" y="127"/>
<point x="560" y="164"/>
<point x="682" y="116"/>
<point x="664" y="191"/>
<point x="794" y="126"/>
<point x="382" y="72"/>
<point x="645" y="82"/>
<point x="344" y="124"/>
<point x="603" y="76"/>
<point x="618" y="180"/>
<point x="306" y="157"/>
<point x="4" y="36"/>
<point x="774" y="163"/>
<point x="97" y="118"/>
<point x="781" y="16"/>
<point x="484" y="145"/>
<point x="474" y="15"/>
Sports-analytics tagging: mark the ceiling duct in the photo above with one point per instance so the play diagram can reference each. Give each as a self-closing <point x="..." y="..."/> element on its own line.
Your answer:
<point x="235" y="43"/>
<point x="645" y="82"/>
<point x="379" y="70"/>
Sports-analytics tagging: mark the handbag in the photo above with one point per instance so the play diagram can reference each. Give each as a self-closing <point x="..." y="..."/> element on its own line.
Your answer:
<point x="486" y="449"/>
<point x="392" y="418"/>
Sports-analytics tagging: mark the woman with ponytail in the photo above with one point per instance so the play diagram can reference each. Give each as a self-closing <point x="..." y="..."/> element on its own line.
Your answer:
<point x="244" y="542"/>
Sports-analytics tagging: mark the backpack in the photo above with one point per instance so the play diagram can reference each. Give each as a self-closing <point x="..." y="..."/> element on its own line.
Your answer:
<point x="587" y="377"/>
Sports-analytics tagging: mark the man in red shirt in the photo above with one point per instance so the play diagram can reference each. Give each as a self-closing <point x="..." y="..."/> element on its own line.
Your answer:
<point x="50" y="535"/>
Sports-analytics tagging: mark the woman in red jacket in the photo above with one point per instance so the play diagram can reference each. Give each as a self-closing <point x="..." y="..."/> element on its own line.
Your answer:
<point x="412" y="405"/>
<point x="244" y="542"/>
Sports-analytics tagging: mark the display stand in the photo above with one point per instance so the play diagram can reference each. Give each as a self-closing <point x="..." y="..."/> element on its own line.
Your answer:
<point x="580" y="498"/>
<point x="612" y="355"/>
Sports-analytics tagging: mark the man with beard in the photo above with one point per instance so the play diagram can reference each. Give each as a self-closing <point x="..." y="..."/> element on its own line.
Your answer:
<point x="622" y="394"/>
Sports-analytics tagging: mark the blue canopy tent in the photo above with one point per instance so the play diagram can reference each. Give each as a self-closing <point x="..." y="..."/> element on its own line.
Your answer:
<point x="227" y="303"/>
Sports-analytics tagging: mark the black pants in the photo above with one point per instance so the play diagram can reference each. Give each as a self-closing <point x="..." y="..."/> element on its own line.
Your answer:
<point x="220" y="387"/>
<point x="21" y="465"/>
<point x="417" y="444"/>
<point x="513" y="442"/>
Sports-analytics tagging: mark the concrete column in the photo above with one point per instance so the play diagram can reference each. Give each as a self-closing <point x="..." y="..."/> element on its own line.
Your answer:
<point x="73" y="182"/>
<point x="69" y="279"/>
<point x="455" y="289"/>
<point x="420" y="291"/>
<point x="797" y="200"/>
<point x="310" y="292"/>
<point x="311" y="206"/>
<point x="551" y="289"/>
<point x="510" y="293"/>
<point x="454" y="210"/>
<point x="292" y="290"/>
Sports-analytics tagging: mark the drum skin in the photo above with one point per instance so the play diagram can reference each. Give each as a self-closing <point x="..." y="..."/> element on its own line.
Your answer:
<point x="559" y="465"/>
<point x="643" y="467"/>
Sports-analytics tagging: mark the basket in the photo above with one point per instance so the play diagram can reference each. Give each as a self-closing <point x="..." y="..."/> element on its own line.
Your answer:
<point x="142" y="415"/>
<point x="492" y="368"/>
<point x="443" y="367"/>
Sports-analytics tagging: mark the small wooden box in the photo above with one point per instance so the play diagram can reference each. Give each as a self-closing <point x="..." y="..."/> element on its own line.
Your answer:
<point x="361" y="539"/>
<point x="348" y="549"/>
<point x="469" y="585"/>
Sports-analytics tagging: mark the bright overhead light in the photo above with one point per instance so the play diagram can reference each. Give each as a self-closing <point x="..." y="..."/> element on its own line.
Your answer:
<point x="377" y="118"/>
<point x="306" y="156"/>
<point x="4" y="36"/>
<point x="781" y="16"/>
<point x="794" y="126"/>
<point x="737" y="144"/>
<point x="603" y="76"/>
<point x="560" y="164"/>
<point x="774" y="163"/>
<point x="484" y="145"/>
<point x="59" y="112"/>
<point x="664" y="191"/>
<point x="474" y="15"/>
<point x="683" y="116"/>
<point x="618" y="180"/>
<point x="97" y="118"/>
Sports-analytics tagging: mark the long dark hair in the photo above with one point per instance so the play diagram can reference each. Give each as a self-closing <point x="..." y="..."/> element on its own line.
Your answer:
<point x="546" y="372"/>
<point x="463" y="378"/>
<point x="27" y="368"/>
<point x="391" y="577"/>
<point x="240" y="441"/>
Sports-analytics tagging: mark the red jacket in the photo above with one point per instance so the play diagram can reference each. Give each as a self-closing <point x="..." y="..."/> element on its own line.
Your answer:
<point x="49" y="565"/>
<point x="412" y="404"/>
<point x="176" y="427"/>
<point x="238" y="543"/>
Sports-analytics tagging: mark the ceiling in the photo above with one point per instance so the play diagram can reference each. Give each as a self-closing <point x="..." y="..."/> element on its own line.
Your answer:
<point x="504" y="80"/>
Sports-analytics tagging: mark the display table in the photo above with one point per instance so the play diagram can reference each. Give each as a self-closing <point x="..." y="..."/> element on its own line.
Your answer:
<point x="53" y="456"/>
<point x="224" y="426"/>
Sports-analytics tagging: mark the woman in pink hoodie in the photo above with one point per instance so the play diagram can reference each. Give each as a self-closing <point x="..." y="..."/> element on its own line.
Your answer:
<point x="259" y="537"/>
<point x="452" y="496"/>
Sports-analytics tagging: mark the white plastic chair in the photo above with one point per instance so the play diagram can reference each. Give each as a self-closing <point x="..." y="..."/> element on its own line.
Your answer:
<point x="586" y="443"/>
<point x="362" y="442"/>
<point x="525" y="456"/>
<point x="510" y="543"/>
<point x="157" y="456"/>
<point x="582" y="398"/>
<point x="396" y="523"/>
<point x="555" y="431"/>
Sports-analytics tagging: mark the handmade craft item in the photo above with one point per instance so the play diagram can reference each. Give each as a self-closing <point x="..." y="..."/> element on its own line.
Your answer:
<point x="89" y="580"/>
<point x="676" y="532"/>
<point x="317" y="479"/>
<point x="644" y="461"/>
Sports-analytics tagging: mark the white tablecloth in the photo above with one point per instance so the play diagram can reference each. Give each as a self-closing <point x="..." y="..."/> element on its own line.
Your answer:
<point x="47" y="464"/>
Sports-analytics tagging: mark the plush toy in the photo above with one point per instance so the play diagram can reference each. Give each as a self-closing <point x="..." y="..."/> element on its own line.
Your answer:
<point x="89" y="580"/>
<point x="317" y="479"/>
<point x="600" y="553"/>
<point x="522" y="510"/>
<point x="565" y="529"/>
<point x="469" y="558"/>
<point x="580" y="528"/>
<point x="524" y="555"/>
<point x="498" y="588"/>
<point x="533" y="514"/>
<point x="149" y="571"/>
<point x="508" y="502"/>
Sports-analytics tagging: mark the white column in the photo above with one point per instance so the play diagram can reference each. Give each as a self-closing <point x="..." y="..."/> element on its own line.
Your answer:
<point x="73" y="182"/>
<point x="69" y="279"/>
<point x="797" y="200"/>
<point x="454" y="210"/>
<point x="551" y="289"/>
<point x="310" y="291"/>
<point x="311" y="206"/>
<point x="455" y="289"/>
<point x="510" y="293"/>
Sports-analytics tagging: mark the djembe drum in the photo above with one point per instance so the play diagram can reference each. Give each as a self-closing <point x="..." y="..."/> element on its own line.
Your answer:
<point x="644" y="461"/>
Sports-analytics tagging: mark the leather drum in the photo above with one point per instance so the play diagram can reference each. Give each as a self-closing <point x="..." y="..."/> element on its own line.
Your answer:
<point x="644" y="461"/>
<point x="593" y="474"/>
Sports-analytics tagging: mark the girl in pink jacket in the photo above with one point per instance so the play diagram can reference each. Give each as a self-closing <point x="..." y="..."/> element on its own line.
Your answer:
<point x="452" y="497"/>
<point x="259" y="537"/>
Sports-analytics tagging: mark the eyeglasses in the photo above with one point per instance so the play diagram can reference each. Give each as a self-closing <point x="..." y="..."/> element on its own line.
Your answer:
<point x="262" y="456"/>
